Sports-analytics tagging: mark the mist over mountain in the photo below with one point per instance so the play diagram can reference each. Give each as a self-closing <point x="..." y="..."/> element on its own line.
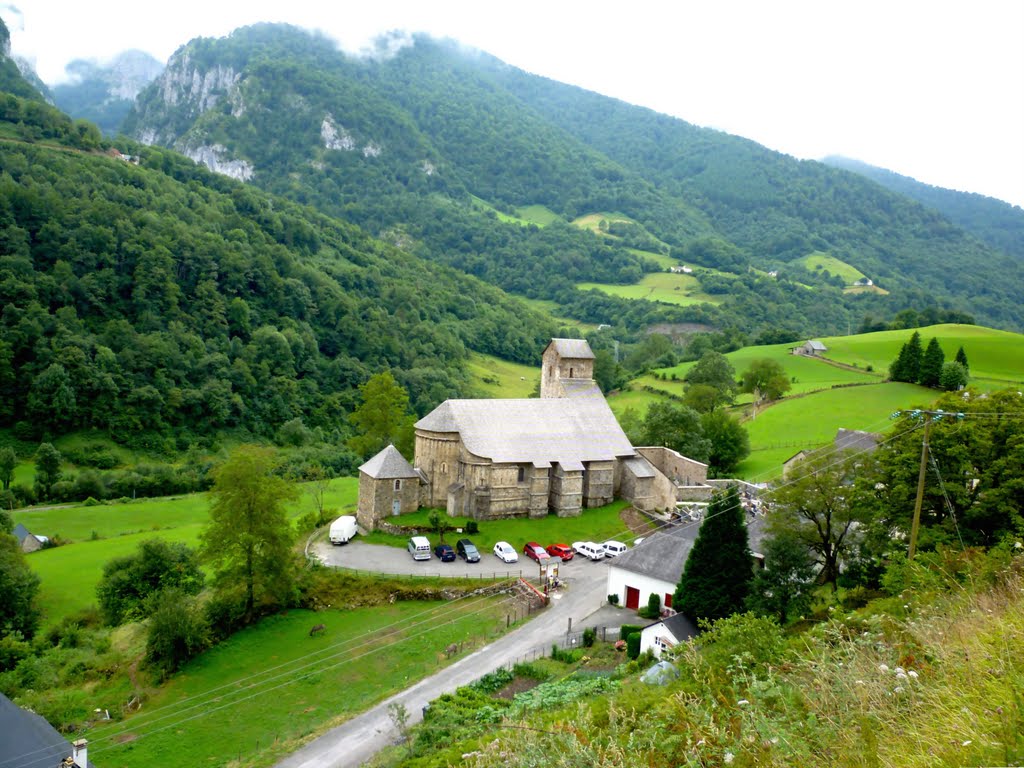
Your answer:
<point x="104" y="93"/>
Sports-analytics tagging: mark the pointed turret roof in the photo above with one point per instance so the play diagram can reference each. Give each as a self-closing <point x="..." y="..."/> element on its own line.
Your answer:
<point x="388" y="464"/>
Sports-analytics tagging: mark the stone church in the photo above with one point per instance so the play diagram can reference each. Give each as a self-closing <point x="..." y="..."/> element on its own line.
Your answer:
<point x="561" y="453"/>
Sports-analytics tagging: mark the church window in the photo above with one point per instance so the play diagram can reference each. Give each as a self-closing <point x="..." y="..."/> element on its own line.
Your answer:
<point x="398" y="485"/>
<point x="444" y="467"/>
<point x="570" y="373"/>
<point x="522" y="474"/>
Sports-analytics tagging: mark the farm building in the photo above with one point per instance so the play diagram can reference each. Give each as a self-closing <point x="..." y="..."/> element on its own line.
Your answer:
<point x="665" y="634"/>
<point x="29" y="542"/>
<point x="388" y="485"/>
<point x="562" y="452"/>
<point x="812" y="348"/>
<point x="855" y="440"/>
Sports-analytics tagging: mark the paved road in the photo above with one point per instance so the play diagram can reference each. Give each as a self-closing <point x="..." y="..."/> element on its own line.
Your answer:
<point x="357" y="740"/>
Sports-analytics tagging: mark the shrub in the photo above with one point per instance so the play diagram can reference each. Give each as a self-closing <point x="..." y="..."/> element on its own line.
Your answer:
<point x="589" y="637"/>
<point x="177" y="632"/>
<point x="613" y="599"/>
<point x="627" y="629"/>
<point x="472" y="527"/>
<point x="225" y="614"/>
<point x="633" y="645"/>
<point x="13" y="648"/>
<point x="653" y="609"/>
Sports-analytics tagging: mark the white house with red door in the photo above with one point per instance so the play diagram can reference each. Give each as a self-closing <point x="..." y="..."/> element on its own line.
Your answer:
<point x="655" y="565"/>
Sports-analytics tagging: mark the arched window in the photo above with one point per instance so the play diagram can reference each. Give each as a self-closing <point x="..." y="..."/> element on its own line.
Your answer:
<point x="522" y="474"/>
<point x="398" y="485"/>
<point x="444" y="467"/>
<point x="570" y="373"/>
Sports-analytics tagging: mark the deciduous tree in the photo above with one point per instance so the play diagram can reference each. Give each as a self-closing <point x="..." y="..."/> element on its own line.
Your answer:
<point x="676" y="427"/>
<point x="8" y="461"/>
<point x="248" y="539"/>
<point x="714" y="370"/>
<point x="383" y="417"/>
<point x="729" y="441"/>
<point x="47" y="469"/>
<point x="783" y="587"/>
<point x="18" y="587"/>
<point x="128" y="582"/>
<point x="765" y="379"/>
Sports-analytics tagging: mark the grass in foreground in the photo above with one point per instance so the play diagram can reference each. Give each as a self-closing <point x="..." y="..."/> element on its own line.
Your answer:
<point x="261" y="693"/>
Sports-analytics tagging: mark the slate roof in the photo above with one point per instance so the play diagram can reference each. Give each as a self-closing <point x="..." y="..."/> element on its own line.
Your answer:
<point x="680" y="626"/>
<point x="388" y="464"/>
<point x="27" y="740"/>
<point x="663" y="555"/>
<point x="855" y="440"/>
<point x="639" y="466"/>
<point x="572" y="348"/>
<point x="564" y="430"/>
<point x="20" y="532"/>
<point x="817" y="345"/>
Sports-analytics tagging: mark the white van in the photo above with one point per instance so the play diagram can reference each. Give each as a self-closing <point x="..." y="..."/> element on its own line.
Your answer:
<point x="419" y="548"/>
<point x="613" y="548"/>
<point x="343" y="529"/>
<point x="588" y="549"/>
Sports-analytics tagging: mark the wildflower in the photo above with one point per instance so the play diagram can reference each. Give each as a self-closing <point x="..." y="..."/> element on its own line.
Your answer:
<point x="966" y="743"/>
<point x="883" y="667"/>
<point x="901" y="676"/>
<point x="913" y="674"/>
<point x="729" y="757"/>
<point x="774" y="740"/>
<point x="1018" y="545"/>
<point x="900" y="671"/>
<point x="742" y="702"/>
<point x="898" y="689"/>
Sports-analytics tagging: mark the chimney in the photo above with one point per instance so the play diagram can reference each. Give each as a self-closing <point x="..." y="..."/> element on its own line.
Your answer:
<point x="79" y="753"/>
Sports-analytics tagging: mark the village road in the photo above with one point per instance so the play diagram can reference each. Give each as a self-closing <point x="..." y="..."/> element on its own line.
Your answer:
<point x="354" y="742"/>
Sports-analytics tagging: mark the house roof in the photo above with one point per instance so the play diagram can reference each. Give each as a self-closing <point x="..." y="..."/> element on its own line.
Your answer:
<point x="28" y="740"/>
<point x="663" y="555"/>
<point x="534" y="431"/>
<point x="855" y="440"/>
<point x="572" y="348"/>
<point x="679" y="625"/>
<point x="20" y="532"/>
<point x="388" y="464"/>
<point x="815" y="344"/>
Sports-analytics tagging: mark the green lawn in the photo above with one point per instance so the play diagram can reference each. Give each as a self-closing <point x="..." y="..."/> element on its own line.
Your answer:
<point x="812" y="421"/>
<point x="272" y="686"/>
<point x="494" y="377"/>
<point x="537" y="214"/>
<point x="596" y="524"/>
<point x="631" y="398"/>
<point x="666" y="287"/>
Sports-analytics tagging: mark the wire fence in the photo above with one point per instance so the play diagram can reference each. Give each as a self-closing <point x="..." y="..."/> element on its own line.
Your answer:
<point x="477" y="575"/>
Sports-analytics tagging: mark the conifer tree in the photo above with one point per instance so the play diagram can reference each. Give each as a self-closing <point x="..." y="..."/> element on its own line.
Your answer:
<point x="907" y="366"/>
<point x="931" y="364"/>
<point x="961" y="357"/>
<point x="719" y="570"/>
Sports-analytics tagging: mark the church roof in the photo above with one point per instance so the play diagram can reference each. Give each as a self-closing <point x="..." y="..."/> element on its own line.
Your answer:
<point x="388" y="464"/>
<point x="28" y="740"/>
<point x="563" y="430"/>
<point x="572" y="348"/>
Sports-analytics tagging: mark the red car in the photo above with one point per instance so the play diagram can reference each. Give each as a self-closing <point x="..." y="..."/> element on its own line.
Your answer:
<point x="564" y="551"/>
<point x="535" y="551"/>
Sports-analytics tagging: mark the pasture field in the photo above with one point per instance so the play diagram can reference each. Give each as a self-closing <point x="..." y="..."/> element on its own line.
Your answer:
<point x="820" y="261"/>
<point x="663" y="260"/>
<point x="497" y="378"/>
<point x="811" y="421"/>
<point x="537" y="214"/>
<point x="996" y="358"/>
<point x="598" y="524"/>
<point x="272" y="686"/>
<point x="553" y="310"/>
<point x="69" y="573"/>
<point x="592" y="221"/>
<point x="666" y="287"/>
<point x="637" y="399"/>
<point x="483" y="205"/>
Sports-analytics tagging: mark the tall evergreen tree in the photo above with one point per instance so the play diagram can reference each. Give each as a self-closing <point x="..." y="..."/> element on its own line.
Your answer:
<point x="907" y="366"/>
<point x="719" y="570"/>
<point x="931" y="364"/>
<point x="961" y="357"/>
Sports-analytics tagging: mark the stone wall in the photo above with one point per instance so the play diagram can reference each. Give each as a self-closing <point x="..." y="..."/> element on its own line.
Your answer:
<point x="554" y="368"/>
<point x="437" y="454"/>
<point x="566" y="492"/>
<point x="377" y="497"/>
<point x="599" y="484"/>
<point x="675" y="466"/>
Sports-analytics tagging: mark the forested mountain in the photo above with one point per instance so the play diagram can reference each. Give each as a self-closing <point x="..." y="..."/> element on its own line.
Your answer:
<point x="147" y="296"/>
<point x="999" y="224"/>
<point x="406" y="143"/>
<point x="105" y="93"/>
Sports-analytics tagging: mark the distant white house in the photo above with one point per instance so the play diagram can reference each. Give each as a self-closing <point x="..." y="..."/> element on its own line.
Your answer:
<point x="863" y="281"/>
<point x="683" y="270"/>
<point x="813" y="348"/>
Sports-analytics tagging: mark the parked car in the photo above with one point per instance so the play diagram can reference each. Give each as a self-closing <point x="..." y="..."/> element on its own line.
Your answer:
<point x="444" y="553"/>
<point x="535" y="551"/>
<point x="419" y="548"/>
<point x="506" y="552"/>
<point x="563" y="551"/>
<point x="613" y="548"/>
<point x="588" y="549"/>
<point x="467" y="551"/>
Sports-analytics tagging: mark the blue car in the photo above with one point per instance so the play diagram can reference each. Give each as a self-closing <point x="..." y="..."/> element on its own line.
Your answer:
<point x="444" y="553"/>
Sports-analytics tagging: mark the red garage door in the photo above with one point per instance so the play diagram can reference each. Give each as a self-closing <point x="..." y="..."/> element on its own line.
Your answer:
<point x="632" y="598"/>
<point x="668" y="599"/>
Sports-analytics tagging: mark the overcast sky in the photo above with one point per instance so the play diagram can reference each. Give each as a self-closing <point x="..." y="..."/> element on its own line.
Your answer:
<point x="931" y="89"/>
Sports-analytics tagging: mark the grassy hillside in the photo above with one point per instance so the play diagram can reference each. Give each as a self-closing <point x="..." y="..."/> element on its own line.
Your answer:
<point x="808" y="422"/>
<point x="816" y="261"/>
<point x="666" y="287"/>
<point x="492" y="377"/>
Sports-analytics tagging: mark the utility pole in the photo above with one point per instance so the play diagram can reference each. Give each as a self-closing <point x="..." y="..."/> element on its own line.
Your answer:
<point x="916" y="524"/>
<point x="929" y="417"/>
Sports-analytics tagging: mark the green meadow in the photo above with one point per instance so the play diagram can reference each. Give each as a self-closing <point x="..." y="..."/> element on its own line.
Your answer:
<point x="493" y="377"/>
<point x="803" y="423"/>
<point x="272" y="686"/>
<point x="819" y="260"/>
<point x="666" y="287"/>
<point x="69" y="573"/>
